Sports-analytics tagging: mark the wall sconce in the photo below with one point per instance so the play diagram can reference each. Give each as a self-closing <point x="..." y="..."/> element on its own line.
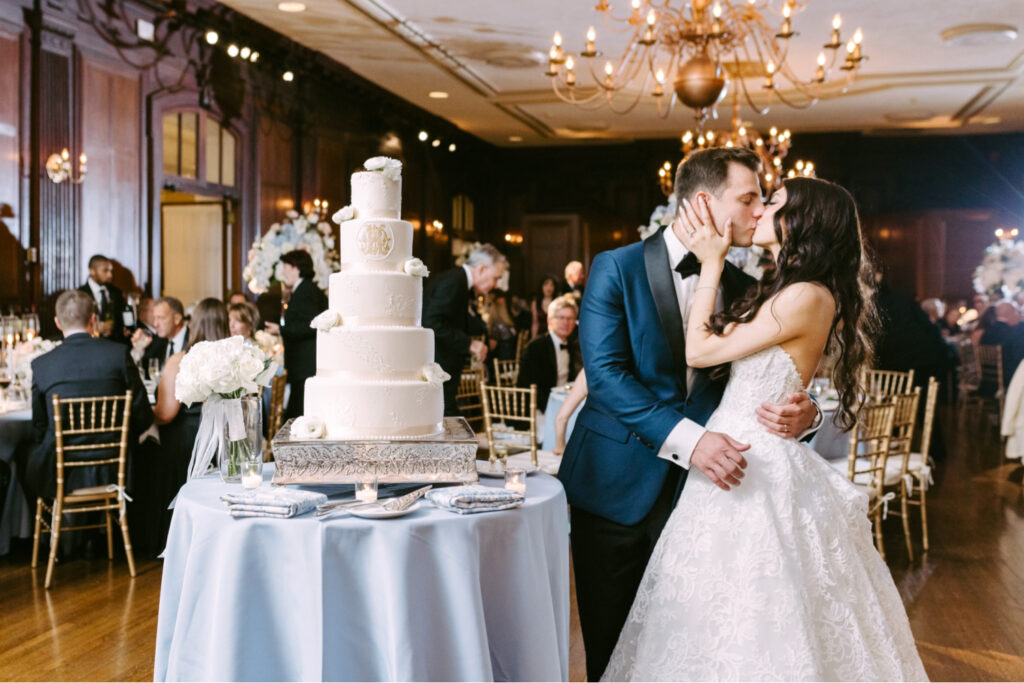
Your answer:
<point x="513" y="238"/>
<point x="1007" y="233"/>
<point x="319" y="207"/>
<point x="58" y="167"/>
<point x="434" y="228"/>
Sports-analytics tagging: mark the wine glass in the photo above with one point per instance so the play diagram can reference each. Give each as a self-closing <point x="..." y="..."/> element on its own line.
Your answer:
<point x="31" y="326"/>
<point x="5" y="381"/>
<point x="154" y="371"/>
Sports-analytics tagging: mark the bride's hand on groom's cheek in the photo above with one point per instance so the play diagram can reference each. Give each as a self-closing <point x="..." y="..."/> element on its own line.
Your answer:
<point x="699" y="232"/>
<point x="720" y="458"/>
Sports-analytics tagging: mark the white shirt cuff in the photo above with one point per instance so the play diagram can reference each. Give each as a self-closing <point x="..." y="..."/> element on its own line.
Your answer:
<point x="680" y="442"/>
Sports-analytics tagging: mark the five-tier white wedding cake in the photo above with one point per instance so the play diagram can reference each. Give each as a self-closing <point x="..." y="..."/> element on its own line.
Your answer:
<point x="376" y="377"/>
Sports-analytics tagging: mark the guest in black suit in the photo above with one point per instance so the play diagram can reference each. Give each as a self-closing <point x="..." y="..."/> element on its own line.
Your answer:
<point x="171" y="333"/>
<point x="81" y="366"/>
<point x="554" y="359"/>
<point x="307" y="301"/>
<point x="573" y="282"/>
<point x="108" y="299"/>
<point x="446" y="310"/>
<point x="1008" y="333"/>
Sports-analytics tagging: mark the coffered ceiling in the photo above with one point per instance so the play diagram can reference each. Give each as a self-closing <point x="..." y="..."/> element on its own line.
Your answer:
<point x="490" y="57"/>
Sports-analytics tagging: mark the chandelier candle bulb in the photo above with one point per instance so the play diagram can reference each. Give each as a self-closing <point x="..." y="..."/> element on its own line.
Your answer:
<point x="588" y="48"/>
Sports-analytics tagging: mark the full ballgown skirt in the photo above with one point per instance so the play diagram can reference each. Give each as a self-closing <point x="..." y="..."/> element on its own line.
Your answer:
<point x="777" y="579"/>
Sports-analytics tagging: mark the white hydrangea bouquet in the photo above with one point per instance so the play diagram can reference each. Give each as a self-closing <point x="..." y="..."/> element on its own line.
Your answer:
<point x="747" y="259"/>
<point x="1001" y="272"/>
<point x="306" y="232"/>
<point x="221" y="374"/>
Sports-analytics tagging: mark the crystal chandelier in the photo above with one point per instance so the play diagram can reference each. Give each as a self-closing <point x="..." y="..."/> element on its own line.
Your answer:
<point x="702" y="48"/>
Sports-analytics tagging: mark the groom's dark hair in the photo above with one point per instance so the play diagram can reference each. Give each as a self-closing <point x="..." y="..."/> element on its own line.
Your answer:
<point x="708" y="169"/>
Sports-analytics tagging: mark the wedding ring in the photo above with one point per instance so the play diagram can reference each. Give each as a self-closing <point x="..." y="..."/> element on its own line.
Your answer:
<point x="691" y="233"/>
<point x="785" y="428"/>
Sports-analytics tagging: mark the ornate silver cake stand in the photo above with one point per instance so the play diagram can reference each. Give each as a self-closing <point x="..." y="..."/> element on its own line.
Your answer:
<point x="446" y="457"/>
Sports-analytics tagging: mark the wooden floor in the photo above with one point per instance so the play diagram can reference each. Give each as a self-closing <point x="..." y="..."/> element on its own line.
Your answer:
<point x="965" y="600"/>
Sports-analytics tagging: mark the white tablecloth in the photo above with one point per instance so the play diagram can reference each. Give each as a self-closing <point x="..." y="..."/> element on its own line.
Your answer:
<point x="555" y="400"/>
<point x="15" y="518"/>
<point x="429" y="596"/>
<point x="829" y="442"/>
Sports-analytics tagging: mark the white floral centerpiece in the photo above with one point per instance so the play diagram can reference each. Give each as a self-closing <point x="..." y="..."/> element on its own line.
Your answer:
<point x="271" y="345"/>
<point x="306" y="232"/>
<point x="219" y="374"/>
<point x="25" y="353"/>
<point x="747" y="259"/>
<point x="1001" y="272"/>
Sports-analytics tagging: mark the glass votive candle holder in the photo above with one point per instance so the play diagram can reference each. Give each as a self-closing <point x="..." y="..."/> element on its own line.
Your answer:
<point x="515" y="479"/>
<point x="366" y="491"/>
<point x="252" y="473"/>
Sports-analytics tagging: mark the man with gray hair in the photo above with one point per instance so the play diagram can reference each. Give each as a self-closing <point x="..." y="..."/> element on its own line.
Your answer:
<point x="553" y="359"/>
<point x="446" y="310"/>
<point x="81" y="366"/>
<point x="573" y="282"/>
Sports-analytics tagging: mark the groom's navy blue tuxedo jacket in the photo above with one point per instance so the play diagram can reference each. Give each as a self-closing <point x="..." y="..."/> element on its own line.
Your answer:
<point x="632" y="338"/>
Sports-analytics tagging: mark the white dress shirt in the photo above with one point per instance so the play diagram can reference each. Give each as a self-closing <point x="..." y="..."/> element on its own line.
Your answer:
<point x="178" y="340"/>
<point x="562" y="358"/>
<point x="684" y="436"/>
<point x="97" y="290"/>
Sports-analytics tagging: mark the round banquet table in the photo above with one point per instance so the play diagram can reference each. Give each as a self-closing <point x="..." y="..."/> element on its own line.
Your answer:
<point x="15" y="436"/>
<point x="429" y="596"/>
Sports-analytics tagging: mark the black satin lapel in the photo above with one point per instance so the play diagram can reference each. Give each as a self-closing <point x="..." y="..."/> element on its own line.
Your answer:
<point x="659" y="278"/>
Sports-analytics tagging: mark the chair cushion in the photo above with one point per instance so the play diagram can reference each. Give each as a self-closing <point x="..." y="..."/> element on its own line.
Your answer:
<point x="89" y="493"/>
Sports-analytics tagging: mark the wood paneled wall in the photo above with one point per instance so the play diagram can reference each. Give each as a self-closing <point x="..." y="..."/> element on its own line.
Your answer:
<point x="113" y="195"/>
<point x="278" y="190"/>
<point x="12" y="251"/>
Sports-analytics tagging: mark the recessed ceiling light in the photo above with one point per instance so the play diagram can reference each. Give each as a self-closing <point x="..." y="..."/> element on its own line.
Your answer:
<point x="438" y="95"/>
<point x="423" y="136"/>
<point x="435" y="143"/>
<point x="288" y="76"/>
<point x="290" y="6"/>
<point x="451" y="147"/>
<point x="515" y="138"/>
<point x="973" y="35"/>
<point x="232" y="50"/>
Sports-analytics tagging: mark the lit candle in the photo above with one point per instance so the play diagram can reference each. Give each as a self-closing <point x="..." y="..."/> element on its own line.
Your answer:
<point x="252" y="480"/>
<point x="366" y="491"/>
<point x="515" y="480"/>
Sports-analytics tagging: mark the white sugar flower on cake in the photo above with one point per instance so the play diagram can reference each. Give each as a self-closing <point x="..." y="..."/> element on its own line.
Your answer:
<point x="345" y="213"/>
<point x="326" y="320"/>
<point x="392" y="168"/>
<point x="435" y="374"/>
<point x="308" y="427"/>
<point x="416" y="268"/>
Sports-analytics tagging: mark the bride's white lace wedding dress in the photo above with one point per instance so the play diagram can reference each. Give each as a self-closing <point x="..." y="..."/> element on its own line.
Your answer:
<point x="775" y="579"/>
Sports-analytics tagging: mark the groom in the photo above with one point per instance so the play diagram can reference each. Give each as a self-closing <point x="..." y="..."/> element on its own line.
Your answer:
<point x="640" y="430"/>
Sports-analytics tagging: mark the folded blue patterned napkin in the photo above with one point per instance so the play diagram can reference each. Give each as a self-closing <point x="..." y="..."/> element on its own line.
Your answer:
<point x="474" y="498"/>
<point x="272" y="501"/>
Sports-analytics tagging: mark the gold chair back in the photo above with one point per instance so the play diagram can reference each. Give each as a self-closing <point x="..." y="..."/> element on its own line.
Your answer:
<point x="468" y="396"/>
<point x="506" y="372"/>
<point x="882" y="383"/>
<point x="931" y="398"/>
<point x="92" y="416"/>
<point x="276" y="417"/>
<point x="511" y="411"/>
<point x="898" y="477"/>
<point x="990" y="372"/>
<point x="521" y="342"/>
<point x="920" y="462"/>
<point x="869" y="451"/>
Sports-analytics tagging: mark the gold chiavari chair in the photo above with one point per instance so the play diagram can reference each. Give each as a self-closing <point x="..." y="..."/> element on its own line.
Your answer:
<point x="91" y="417"/>
<point x="276" y="417"/>
<point x="521" y="342"/>
<point x="468" y="396"/>
<point x="506" y="372"/>
<point x="920" y="463"/>
<point x="510" y="419"/>
<point x="869" y="451"/>
<point x="990" y="379"/>
<point x="967" y="387"/>
<point x="882" y="383"/>
<point x="898" y="478"/>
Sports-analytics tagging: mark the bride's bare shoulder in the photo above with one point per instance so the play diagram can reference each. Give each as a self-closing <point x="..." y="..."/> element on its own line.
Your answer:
<point x="810" y="299"/>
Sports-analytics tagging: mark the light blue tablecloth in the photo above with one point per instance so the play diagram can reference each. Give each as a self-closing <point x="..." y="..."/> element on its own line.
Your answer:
<point x="555" y="400"/>
<point x="15" y="518"/>
<point x="426" y="597"/>
<point x="829" y="442"/>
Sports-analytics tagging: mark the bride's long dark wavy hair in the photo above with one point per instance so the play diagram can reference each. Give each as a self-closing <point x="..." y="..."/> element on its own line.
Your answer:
<point x="819" y="231"/>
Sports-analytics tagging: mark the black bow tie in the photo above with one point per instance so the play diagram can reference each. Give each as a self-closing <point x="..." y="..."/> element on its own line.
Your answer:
<point x="688" y="266"/>
<point x="563" y="347"/>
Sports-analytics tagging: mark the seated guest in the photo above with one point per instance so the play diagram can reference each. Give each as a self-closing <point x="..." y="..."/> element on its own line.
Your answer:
<point x="178" y="423"/>
<point x="236" y="297"/>
<point x="108" y="299"/>
<point x="986" y="320"/>
<point x="82" y="366"/>
<point x="243" y="319"/>
<point x="935" y="310"/>
<point x="539" y="306"/>
<point x="172" y="333"/>
<point x="573" y="282"/>
<point x="446" y="310"/>
<point x="501" y="330"/>
<point x="307" y="301"/>
<point x="554" y="359"/>
<point x="951" y="322"/>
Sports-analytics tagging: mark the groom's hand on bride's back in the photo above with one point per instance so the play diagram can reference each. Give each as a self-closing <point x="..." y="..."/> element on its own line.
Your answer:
<point x="720" y="458"/>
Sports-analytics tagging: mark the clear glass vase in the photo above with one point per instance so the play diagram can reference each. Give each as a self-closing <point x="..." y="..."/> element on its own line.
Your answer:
<point x="248" y="450"/>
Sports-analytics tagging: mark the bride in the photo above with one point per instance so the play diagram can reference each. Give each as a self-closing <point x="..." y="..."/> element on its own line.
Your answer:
<point x="776" y="579"/>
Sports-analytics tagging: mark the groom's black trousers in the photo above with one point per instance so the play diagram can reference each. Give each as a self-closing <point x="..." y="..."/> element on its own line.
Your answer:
<point x="609" y="560"/>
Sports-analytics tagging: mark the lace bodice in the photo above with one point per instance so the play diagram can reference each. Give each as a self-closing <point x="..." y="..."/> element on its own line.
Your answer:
<point x="768" y="375"/>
